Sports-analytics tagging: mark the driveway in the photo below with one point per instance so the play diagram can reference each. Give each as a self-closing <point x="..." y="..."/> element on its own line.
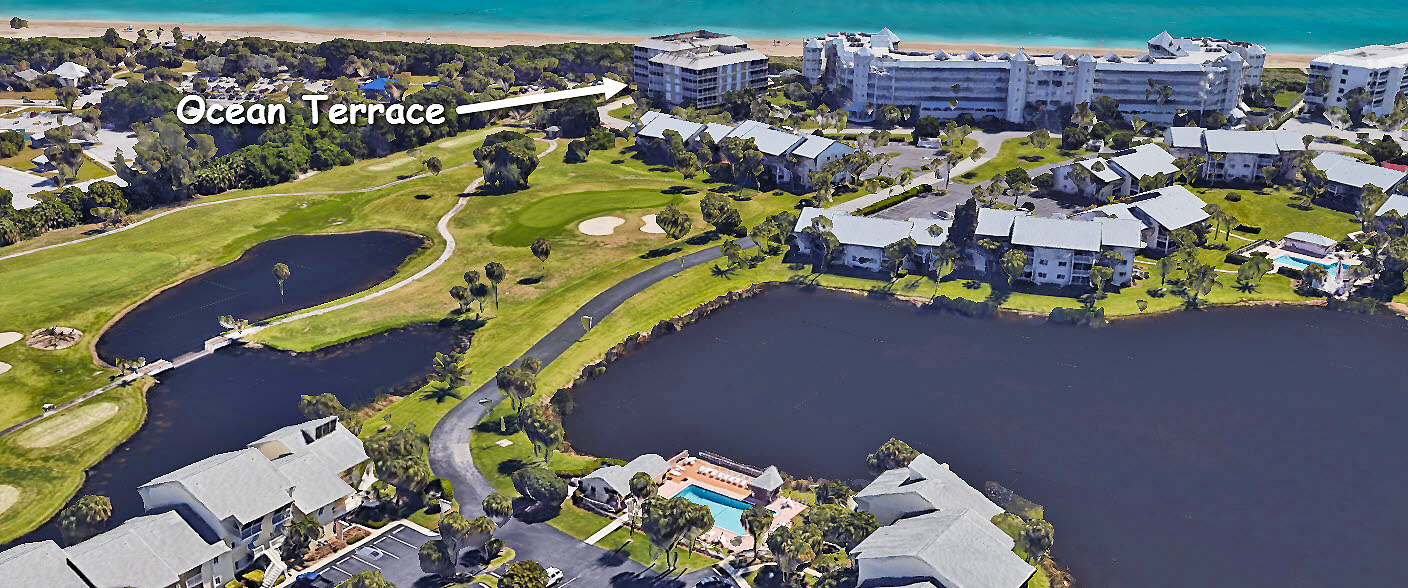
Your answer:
<point x="394" y="553"/>
<point x="586" y="566"/>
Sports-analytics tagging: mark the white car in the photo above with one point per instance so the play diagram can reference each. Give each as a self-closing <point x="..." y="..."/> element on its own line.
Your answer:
<point x="554" y="576"/>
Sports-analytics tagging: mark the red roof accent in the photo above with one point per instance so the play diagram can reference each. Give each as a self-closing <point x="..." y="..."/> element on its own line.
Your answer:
<point x="1395" y="167"/>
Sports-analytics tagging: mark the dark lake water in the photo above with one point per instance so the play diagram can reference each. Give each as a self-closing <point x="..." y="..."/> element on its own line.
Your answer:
<point x="222" y="402"/>
<point x="1236" y="447"/>
<point x="323" y="267"/>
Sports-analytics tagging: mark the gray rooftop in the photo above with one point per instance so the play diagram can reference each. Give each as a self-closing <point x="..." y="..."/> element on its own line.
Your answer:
<point x="932" y="481"/>
<point x="708" y="57"/>
<point x="960" y="548"/>
<point x="1255" y="142"/>
<point x="69" y="69"/>
<point x="145" y="552"/>
<point x="241" y="484"/>
<point x="656" y="128"/>
<point x="326" y="438"/>
<point x="1173" y="207"/>
<point x="1104" y="173"/>
<point x="1349" y="171"/>
<point x="920" y="232"/>
<point x="996" y="222"/>
<point x="770" y="140"/>
<point x="685" y="40"/>
<point x="1118" y="232"/>
<point x="1184" y="137"/>
<point x="716" y="131"/>
<point x="1312" y="238"/>
<point x="315" y="484"/>
<point x="858" y="230"/>
<point x="40" y="564"/>
<point x="1057" y="233"/>
<point x="769" y="481"/>
<point x="618" y="478"/>
<point x="1397" y="203"/>
<point x="1146" y="160"/>
<point x="813" y="146"/>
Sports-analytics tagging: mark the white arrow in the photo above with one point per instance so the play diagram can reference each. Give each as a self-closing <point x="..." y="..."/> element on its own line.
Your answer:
<point x="608" y="88"/>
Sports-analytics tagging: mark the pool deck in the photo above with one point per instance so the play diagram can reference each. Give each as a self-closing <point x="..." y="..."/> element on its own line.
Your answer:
<point x="784" y="509"/>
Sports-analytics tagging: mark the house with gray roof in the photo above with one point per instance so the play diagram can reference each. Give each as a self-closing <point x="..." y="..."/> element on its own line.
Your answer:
<point x="1060" y="251"/>
<point x="153" y="551"/>
<point x="1161" y="211"/>
<point x="42" y="564"/>
<point x="954" y="548"/>
<point x="610" y="485"/>
<point x="790" y="156"/>
<point x="764" y="487"/>
<point x="1346" y="177"/>
<point x="70" y="73"/>
<point x="863" y="239"/>
<point x="1115" y="177"/>
<point x="924" y="486"/>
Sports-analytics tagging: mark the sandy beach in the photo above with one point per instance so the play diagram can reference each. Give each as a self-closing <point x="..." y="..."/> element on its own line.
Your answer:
<point x="778" y="47"/>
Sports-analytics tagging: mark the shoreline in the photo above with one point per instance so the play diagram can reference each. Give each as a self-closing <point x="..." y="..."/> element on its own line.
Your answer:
<point x="787" y="47"/>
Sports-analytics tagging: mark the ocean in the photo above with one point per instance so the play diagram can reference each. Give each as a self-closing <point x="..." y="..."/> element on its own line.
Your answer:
<point x="1287" y="26"/>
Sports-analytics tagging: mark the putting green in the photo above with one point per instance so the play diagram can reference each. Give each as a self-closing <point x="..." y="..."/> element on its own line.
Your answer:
<point x="561" y="213"/>
<point x="65" y="425"/>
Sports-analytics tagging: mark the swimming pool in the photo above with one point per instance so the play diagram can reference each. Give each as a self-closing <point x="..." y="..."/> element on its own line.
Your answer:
<point x="1300" y="264"/>
<point x="725" y="510"/>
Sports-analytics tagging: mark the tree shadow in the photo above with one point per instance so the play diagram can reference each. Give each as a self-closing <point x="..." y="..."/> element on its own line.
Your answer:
<point x="725" y="272"/>
<point x="529" y="281"/>
<point x="661" y="252"/>
<point x="703" y="238"/>
<point x="440" y="392"/>
<point x="508" y="466"/>
<point x="532" y="512"/>
<point x="422" y="196"/>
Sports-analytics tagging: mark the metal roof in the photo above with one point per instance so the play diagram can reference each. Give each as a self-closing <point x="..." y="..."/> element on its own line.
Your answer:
<point x="1311" y="238"/>
<point x="1257" y="142"/>
<point x="1146" y="160"/>
<point x="813" y="146"/>
<point x="657" y="126"/>
<point x="1057" y="233"/>
<point x="1173" y="207"/>
<point x="145" y="552"/>
<point x="996" y="222"/>
<point x="1349" y="171"/>
<point x="618" y="477"/>
<point x="1184" y="137"/>
<point x="858" y="230"/>
<point x="241" y="484"/>
<point x="959" y="548"/>
<point x="1121" y="232"/>
<point x="40" y="564"/>
<point x="1397" y="203"/>
<point x="770" y="140"/>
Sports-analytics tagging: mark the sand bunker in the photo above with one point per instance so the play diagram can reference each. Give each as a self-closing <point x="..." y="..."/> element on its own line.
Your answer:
<point x="8" y="495"/>
<point x="9" y="337"/>
<point x="390" y="164"/>
<point x="4" y="367"/>
<point x="54" y="338"/>
<point x="66" y="425"/>
<point x="600" y="226"/>
<point x="650" y="225"/>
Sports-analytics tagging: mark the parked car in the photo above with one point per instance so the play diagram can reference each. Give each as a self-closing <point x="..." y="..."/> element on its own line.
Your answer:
<point x="554" y="576"/>
<point x="312" y="580"/>
<point x="715" y="582"/>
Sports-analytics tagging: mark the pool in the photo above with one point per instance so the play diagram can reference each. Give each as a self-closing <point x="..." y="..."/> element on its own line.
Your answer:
<point x="725" y="510"/>
<point x="1300" y="264"/>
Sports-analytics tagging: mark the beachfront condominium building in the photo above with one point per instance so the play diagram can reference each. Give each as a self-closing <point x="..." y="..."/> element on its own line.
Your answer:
<point x="1173" y="74"/>
<point x="697" y="67"/>
<point x="1368" y="79"/>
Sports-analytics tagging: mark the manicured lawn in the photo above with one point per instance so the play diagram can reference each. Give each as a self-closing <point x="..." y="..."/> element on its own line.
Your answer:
<point x="558" y="215"/>
<point x="1018" y="153"/>
<point x="1287" y="99"/>
<point x="1274" y="213"/>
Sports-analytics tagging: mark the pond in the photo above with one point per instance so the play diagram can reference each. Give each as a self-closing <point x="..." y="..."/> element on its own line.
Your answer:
<point x="323" y="267"/>
<point x="240" y="393"/>
<point x="1232" y="447"/>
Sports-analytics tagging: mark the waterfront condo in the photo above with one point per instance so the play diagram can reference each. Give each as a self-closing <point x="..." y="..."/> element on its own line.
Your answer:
<point x="697" y="67"/>
<point x="1174" y="74"/>
<point x="1367" y="79"/>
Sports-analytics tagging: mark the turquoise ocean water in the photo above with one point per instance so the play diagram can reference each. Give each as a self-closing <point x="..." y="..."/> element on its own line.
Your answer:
<point x="1292" y="26"/>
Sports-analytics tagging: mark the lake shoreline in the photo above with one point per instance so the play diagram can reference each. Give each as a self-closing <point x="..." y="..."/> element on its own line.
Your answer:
<point x="787" y="47"/>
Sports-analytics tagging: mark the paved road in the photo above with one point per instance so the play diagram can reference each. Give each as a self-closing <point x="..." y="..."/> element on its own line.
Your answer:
<point x="990" y="141"/>
<point x="449" y="442"/>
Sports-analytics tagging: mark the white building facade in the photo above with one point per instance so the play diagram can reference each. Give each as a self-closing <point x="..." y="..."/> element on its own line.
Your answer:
<point x="697" y="67"/>
<point x="1379" y="71"/>
<point x="1192" y="74"/>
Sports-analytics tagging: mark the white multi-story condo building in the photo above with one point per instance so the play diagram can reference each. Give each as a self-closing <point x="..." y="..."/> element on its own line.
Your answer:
<point x="1161" y="212"/>
<point x="1059" y="251"/>
<point x="697" y="67"/>
<point x="1379" y="71"/>
<point x="1118" y="176"/>
<point x="1236" y="156"/>
<point x="1191" y="74"/>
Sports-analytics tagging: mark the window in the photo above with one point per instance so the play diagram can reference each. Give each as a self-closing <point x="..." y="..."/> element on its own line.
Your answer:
<point x="1041" y="262"/>
<point x="1041" y="274"/>
<point x="1060" y="276"/>
<point x="194" y="581"/>
<point x="1060" y="264"/>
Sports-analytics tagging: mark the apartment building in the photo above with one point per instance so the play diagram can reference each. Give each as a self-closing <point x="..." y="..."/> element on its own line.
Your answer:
<point x="790" y="156"/>
<point x="1347" y="177"/>
<point x="1059" y="251"/>
<point x="863" y="240"/>
<point x="1118" y="176"/>
<point x="1192" y="74"/>
<point x="1379" y="72"/>
<point x="697" y="67"/>
<point x="1236" y="157"/>
<point x="1161" y="212"/>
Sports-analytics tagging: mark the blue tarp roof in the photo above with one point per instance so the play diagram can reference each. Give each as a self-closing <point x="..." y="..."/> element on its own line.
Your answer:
<point x="377" y="84"/>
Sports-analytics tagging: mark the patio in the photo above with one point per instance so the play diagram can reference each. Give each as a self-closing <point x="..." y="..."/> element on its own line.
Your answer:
<point x="686" y="471"/>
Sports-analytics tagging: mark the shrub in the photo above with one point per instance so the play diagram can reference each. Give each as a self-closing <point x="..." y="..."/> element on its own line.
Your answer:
<point x="1077" y="316"/>
<point x="1233" y="197"/>
<point x="965" y="307"/>
<point x="1236" y="259"/>
<point x="1248" y="228"/>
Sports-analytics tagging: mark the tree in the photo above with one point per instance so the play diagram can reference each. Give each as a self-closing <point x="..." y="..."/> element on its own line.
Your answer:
<point x="367" y="579"/>
<point x="674" y="222"/>
<point x="544" y="433"/>
<point x="496" y="273"/>
<point x="84" y="518"/>
<point x="576" y="152"/>
<point x="891" y="455"/>
<point x="1099" y="276"/>
<point x="1037" y="537"/>
<point x="1014" y="261"/>
<point x="720" y="212"/>
<point x="540" y="485"/>
<point x="1039" y="138"/>
<point x="434" y="166"/>
<point x="18" y="23"/>
<point x="541" y="249"/>
<point x="66" y="96"/>
<point x="1313" y="276"/>
<point x="450" y="369"/>
<point x="841" y="526"/>
<point x="642" y="488"/>
<point x="524" y="574"/>
<point x="281" y="274"/>
<point x="517" y="384"/>
<point x="301" y="534"/>
<point x="399" y="459"/>
<point x="794" y="547"/>
<point x="507" y="158"/>
<point x="834" y="492"/>
<point x="461" y="296"/>
<point x="1199" y="282"/>
<point x="756" y="521"/>
<point x="498" y="508"/>
<point x="435" y="558"/>
<point x="327" y="405"/>
<point x="667" y="522"/>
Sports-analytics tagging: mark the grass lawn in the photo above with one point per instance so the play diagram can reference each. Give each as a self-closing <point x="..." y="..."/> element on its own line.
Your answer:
<point x="21" y="161"/>
<point x="1272" y="210"/>
<point x="1018" y="153"/>
<point x="39" y="94"/>
<point x="1287" y="99"/>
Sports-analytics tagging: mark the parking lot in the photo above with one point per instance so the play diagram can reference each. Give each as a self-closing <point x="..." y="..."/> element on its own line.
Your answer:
<point x="393" y="553"/>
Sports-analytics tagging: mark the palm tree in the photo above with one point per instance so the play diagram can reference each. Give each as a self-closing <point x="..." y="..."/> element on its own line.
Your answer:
<point x="642" y="488"/>
<point x="496" y="273"/>
<point x="435" y="558"/>
<point x="1013" y="262"/>
<point x="498" y="507"/>
<point x="281" y="274"/>
<point x="84" y="518"/>
<point x="1313" y="275"/>
<point x="756" y="521"/>
<point x="301" y="534"/>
